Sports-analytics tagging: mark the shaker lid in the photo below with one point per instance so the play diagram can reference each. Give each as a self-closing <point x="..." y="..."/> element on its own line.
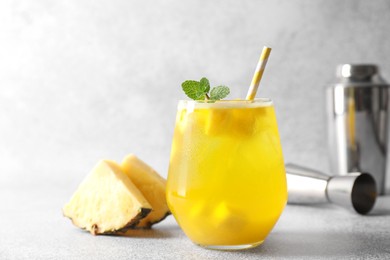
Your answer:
<point x="357" y="72"/>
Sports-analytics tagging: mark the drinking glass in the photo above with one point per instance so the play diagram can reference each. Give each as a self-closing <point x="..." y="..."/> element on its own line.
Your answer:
<point x="226" y="182"/>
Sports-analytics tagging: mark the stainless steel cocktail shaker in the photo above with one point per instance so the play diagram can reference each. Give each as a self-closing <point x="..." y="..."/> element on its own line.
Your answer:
<point x="357" y="115"/>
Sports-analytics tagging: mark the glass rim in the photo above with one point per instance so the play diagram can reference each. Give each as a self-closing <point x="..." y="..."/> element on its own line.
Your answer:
<point x="241" y="103"/>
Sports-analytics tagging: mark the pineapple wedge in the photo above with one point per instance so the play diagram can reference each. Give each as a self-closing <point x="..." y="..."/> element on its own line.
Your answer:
<point x="106" y="201"/>
<point x="152" y="186"/>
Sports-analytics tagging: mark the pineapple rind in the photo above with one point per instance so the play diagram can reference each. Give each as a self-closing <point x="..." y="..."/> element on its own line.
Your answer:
<point x="148" y="224"/>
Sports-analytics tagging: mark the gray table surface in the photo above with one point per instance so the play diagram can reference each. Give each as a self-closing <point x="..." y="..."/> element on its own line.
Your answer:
<point x="32" y="227"/>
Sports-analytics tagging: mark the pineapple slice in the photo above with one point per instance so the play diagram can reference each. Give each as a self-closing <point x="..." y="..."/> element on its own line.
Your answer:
<point x="218" y="122"/>
<point x="237" y="122"/>
<point x="228" y="217"/>
<point x="106" y="201"/>
<point x="152" y="186"/>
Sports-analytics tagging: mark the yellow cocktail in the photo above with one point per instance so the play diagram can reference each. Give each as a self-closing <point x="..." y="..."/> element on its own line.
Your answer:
<point x="226" y="183"/>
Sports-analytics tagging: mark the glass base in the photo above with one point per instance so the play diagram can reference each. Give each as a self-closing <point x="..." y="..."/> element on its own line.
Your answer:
<point x="231" y="247"/>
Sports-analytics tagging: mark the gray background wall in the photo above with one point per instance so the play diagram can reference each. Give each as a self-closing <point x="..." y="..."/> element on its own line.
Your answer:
<point x="86" y="80"/>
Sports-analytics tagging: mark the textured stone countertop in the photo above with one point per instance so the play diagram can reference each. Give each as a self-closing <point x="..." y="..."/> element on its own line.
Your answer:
<point x="32" y="227"/>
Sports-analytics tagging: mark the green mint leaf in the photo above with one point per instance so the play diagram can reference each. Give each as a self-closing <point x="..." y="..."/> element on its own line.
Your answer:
<point x="199" y="90"/>
<point x="205" y="85"/>
<point x="219" y="92"/>
<point x="193" y="90"/>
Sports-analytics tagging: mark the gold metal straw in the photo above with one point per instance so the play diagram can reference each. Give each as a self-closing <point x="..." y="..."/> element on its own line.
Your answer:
<point x="258" y="73"/>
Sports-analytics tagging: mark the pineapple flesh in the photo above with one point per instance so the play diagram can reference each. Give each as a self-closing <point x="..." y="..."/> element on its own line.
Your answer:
<point x="152" y="186"/>
<point x="107" y="201"/>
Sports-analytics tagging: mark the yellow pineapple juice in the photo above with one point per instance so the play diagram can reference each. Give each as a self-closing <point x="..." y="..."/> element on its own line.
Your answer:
<point x="226" y="183"/>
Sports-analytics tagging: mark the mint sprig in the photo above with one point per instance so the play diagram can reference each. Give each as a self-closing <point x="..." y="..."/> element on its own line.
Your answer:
<point x="199" y="90"/>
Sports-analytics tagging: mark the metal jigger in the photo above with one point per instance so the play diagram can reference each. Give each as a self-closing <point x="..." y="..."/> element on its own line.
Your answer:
<point x="355" y="191"/>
